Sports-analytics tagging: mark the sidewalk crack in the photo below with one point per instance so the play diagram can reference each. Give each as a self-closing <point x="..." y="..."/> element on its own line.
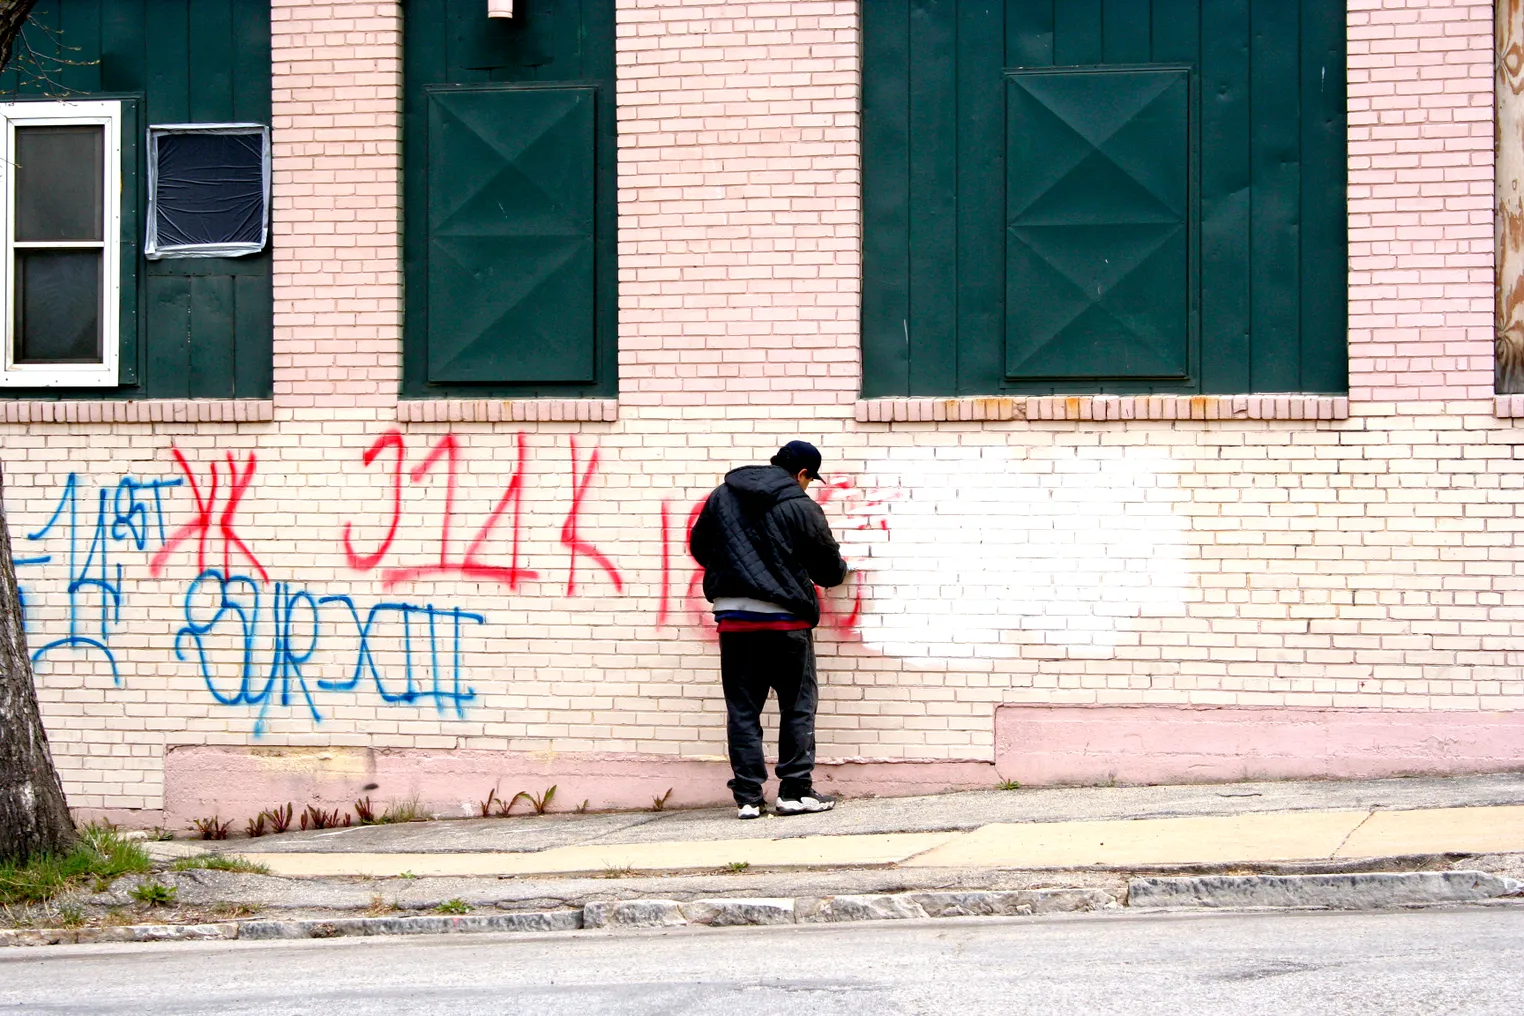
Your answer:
<point x="1358" y="826"/>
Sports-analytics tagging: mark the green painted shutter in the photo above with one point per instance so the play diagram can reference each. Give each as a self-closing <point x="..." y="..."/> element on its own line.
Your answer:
<point x="511" y="235"/>
<point x="1097" y="244"/>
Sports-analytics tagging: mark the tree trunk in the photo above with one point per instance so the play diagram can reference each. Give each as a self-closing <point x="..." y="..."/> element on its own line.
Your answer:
<point x="34" y="818"/>
<point x="1509" y="335"/>
<point x="13" y="15"/>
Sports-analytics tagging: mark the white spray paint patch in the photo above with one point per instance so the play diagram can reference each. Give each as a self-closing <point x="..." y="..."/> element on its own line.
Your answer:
<point x="987" y="548"/>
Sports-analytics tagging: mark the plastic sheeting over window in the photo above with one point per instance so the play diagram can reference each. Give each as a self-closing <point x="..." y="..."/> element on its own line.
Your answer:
<point x="208" y="190"/>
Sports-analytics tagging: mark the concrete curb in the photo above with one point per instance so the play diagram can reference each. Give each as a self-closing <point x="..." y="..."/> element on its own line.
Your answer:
<point x="1365" y="891"/>
<point x="1361" y="891"/>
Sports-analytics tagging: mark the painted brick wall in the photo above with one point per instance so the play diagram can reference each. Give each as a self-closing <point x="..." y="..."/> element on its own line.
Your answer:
<point x="1420" y="199"/>
<point x="1364" y="562"/>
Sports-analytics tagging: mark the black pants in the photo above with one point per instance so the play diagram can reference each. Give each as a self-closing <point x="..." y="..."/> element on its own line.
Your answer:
<point x="751" y="662"/>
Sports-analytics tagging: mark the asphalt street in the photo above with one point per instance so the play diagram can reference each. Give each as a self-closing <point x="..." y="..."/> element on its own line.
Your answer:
<point x="1463" y="961"/>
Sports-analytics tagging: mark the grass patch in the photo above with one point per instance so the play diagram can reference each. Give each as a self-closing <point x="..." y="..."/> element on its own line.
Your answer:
<point x="1008" y="785"/>
<point x="613" y="871"/>
<point x="409" y="810"/>
<point x="100" y="857"/>
<point x="222" y="862"/>
<point x="736" y="867"/>
<point x="455" y="906"/>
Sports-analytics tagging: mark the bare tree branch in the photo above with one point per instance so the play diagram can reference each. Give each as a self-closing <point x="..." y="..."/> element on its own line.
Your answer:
<point x="13" y="16"/>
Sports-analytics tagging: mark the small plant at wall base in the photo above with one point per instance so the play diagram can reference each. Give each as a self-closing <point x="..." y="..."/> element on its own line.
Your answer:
<point x="409" y="810"/>
<point x="539" y="802"/>
<point x="1008" y="785"/>
<point x="280" y="818"/>
<point x="316" y="818"/>
<point x="364" y="811"/>
<point x="660" y="803"/>
<point x="486" y="805"/>
<point x="255" y="827"/>
<point x="212" y="828"/>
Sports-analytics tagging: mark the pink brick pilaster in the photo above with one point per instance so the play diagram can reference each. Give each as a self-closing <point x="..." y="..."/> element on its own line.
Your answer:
<point x="1420" y="199"/>
<point x="337" y="226"/>
<point x="739" y="216"/>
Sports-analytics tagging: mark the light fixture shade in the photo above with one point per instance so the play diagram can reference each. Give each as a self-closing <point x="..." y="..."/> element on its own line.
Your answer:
<point x="499" y="8"/>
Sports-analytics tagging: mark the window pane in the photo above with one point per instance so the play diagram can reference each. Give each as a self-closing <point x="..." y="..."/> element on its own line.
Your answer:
<point x="58" y="301"/>
<point x="210" y="188"/>
<point x="58" y="182"/>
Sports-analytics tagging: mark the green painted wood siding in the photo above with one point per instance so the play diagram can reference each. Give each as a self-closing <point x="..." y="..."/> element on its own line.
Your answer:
<point x="1109" y="196"/>
<point x="509" y="200"/>
<point x="191" y="328"/>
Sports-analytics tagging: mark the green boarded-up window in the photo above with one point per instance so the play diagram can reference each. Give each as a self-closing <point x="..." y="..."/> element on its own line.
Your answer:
<point x="510" y="199"/>
<point x="186" y="328"/>
<point x="1103" y="196"/>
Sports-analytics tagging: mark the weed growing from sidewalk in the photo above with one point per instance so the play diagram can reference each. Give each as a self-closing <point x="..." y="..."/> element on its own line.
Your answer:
<point x="736" y="867"/>
<point x="581" y="809"/>
<point x="71" y="916"/>
<point x="255" y="827"/>
<point x="316" y="818"/>
<point x="222" y="862"/>
<point x="280" y="817"/>
<point x="455" y="906"/>
<point x="660" y="803"/>
<point x="407" y="810"/>
<point x="100" y="857"/>
<point x="539" y="802"/>
<point x="154" y="893"/>
<point x="611" y="871"/>
<point x="486" y="806"/>
<point x="212" y="828"/>
<point x="1008" y="785"/>
<point x="379" y="907"/>
<point x="407" y="874"/>
<point x="160" y="834"/>
<point x="365" y="811"/>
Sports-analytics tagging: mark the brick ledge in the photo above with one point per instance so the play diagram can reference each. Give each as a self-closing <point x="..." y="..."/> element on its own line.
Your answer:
<point x="507" y="410"/>
<point x="138" y="411"/>
<point x="1508" y="407"/>
<point x="1105" y="407"/>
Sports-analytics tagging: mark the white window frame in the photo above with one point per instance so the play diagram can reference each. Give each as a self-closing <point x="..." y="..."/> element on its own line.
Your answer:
<point x="63" y="114"/>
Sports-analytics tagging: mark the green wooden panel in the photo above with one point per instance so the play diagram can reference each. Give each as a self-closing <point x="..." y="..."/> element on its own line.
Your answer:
<point x="211" y="352"/>
<point x="886" y="198"/>
<point x="253" y="367"/>
<point x="1028" y="33"/>
<point x="1275" y="155"/>
<point x="1096" y="202"/>
<point x="166" y="365"/>
<point x="128" y="324"/>
<point x="511" y="235"/>
<point x="1078" y="35"/>
<point x="933" y="214"/>
<point x="1227" y="196"/>
<point x="210" y="68"/>
<point x="1125" y="31"/>
<point x="981" y="187"/>
<point x="1325" y="236"/>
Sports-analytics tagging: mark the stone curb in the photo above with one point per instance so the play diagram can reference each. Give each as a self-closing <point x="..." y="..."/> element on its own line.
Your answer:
<point x="1365" y="891"/>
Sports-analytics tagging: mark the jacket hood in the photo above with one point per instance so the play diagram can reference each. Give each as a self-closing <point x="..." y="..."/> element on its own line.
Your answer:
<point x="761" y="487"/>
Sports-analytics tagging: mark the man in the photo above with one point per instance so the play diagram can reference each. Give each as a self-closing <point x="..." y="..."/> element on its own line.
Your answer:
<point x="765" y="545"/>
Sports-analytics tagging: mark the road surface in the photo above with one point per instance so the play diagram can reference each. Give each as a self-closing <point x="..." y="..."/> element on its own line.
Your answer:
<point x="1463" y="961"/>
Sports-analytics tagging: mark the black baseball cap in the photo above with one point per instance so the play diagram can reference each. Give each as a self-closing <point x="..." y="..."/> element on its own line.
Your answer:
<point x="797" y="455"/>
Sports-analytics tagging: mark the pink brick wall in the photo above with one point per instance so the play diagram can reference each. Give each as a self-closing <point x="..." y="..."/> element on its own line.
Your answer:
<point x="738" y="203"/>
<point x="337" y="230"/>
<point x="1420" y="199"/>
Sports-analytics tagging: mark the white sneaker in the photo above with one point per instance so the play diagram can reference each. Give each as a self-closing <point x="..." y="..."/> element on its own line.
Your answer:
<point x="808" y="803"/>
<point x="749" y="811"/>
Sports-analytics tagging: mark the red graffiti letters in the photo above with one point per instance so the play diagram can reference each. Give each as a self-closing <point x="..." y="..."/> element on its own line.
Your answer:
<point x="569" y="538"/>
<point x="201" y="525"/>
<point x="513" y="574"/>
<point x="391" y="439"/>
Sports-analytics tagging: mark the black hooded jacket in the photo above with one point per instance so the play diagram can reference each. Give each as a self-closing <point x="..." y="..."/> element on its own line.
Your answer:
<point x="761" y="536"/>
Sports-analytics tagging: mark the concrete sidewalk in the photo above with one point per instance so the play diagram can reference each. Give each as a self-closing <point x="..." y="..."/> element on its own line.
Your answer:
<point x="1112" y="827"/>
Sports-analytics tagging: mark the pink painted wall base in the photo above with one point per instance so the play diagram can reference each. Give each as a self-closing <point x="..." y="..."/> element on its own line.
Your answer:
<point x="1088" y="745"/>
<point x="237" y="783"/>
